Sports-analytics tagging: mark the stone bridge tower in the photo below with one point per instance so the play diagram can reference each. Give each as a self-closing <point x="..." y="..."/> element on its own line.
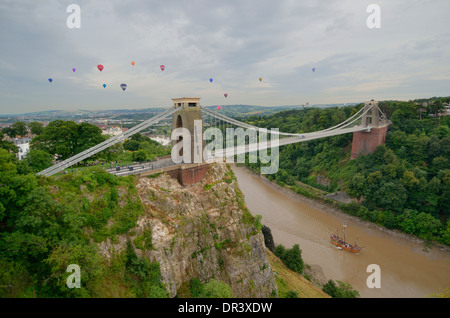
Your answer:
<point x="365" y="142"/>
<point x="187" y="112"/>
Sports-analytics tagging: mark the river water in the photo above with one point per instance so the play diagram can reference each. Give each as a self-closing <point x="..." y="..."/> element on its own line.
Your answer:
<point x="407" y="267"/>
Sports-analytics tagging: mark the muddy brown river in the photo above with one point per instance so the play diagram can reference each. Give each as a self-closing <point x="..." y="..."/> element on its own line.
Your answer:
<point x="407" y="267"/>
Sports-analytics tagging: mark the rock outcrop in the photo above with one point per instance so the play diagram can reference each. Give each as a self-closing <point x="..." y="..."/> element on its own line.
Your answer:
<point x="201" y="231"/>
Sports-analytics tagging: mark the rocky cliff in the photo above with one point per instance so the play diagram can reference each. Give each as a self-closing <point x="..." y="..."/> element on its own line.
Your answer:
<point x="200" y="231"/>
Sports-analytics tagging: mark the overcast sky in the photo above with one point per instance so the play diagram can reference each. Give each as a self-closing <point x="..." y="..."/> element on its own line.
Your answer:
<point x="233" y="42"/>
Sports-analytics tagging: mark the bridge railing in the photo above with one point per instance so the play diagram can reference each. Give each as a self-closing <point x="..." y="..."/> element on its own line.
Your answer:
<point x="104" y="145"/>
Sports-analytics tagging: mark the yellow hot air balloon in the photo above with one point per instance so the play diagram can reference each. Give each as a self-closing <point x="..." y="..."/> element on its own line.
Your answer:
<point x="260" y="79"/>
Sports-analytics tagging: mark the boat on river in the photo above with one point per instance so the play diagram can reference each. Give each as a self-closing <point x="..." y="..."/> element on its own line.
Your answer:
<point x="341" y="243"/>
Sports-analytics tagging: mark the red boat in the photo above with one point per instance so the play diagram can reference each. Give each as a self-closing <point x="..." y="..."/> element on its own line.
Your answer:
<point x="342" y="244"/>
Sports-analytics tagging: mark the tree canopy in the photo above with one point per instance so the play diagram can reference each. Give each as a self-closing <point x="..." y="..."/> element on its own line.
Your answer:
<point x="410" y="172"/>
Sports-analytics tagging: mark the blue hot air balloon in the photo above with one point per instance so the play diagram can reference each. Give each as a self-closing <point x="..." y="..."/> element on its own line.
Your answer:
<point x="211" y="80"/>
<point x="123" y="86"/>
<point x="313" y="69"/>
<point x="50" y="80"/>
<point x="104" y="85"/>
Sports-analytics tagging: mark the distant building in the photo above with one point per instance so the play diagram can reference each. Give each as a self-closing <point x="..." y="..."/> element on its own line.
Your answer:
<point x="114" y="130"/>
<point x="102" y="126"/>
<point x="446" y="111"/>
<point x="163" y="140"/>
<point x="24" y="146"/>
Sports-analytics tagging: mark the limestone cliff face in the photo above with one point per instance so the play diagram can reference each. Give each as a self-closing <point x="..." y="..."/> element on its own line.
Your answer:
<point x="204" y="231"/>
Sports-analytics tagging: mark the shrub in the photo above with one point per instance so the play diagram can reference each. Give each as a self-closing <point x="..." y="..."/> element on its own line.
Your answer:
<point x="216" y="289"/>
<point x="268" y="238"/>
<point x="292" y="294"/>
<point x="342" y="290"/>
<point x="292" y="258"/>
<point x="195" y="287"/>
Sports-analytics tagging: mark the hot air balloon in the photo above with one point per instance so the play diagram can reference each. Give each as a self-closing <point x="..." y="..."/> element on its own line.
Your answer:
<point x="226" y="95"/>
<point x="123" y="86"/>
<point x="219" y="107"/>
<point x="100" y="67"/>
<point x="211" y="80"/>
<point x="260" y="79"/>
<point x="50" y="80"/>
<point x="74" y="69"/>
<point x="132" y="63"/>
<point x="313" y="69"/>
<point x="104" y="85"/>
<point x="162" y="67"/>
<point x="307" y="104"/>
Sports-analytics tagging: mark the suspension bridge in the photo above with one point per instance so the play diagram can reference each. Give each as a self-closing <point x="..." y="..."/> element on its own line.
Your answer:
<point x="369" y="127"/>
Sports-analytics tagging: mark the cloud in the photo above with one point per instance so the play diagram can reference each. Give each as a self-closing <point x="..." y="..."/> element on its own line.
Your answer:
<point x="234" y="42"/>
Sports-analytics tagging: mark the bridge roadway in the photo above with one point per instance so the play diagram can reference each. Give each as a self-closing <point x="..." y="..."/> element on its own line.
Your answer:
<point x="289" y="139"/>
<point x="162" y="163"/>
<point x="138" y="168"/>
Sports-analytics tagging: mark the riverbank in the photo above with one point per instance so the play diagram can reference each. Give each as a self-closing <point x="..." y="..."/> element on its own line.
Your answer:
<point x="330" y="206"/>
<point x="409" y="267"/>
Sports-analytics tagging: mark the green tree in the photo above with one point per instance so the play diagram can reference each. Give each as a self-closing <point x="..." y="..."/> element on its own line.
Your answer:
<point x="427" y="226"/>
<point x="292" y="258"/>
<point x="341" y="290"/>
<point x="66" y="138"/>
<point x="435" y="107"/>
<point x="9" y="131"/>
<point x="85" y="256"/>
<point x="409" y="180"/>
<point x="113" y="153"/>
<point x="292" y="294"/>
<point x="36" y="128"/>
<point x="407" y="221"/>
<point x="20" y="128"/>
<point x="131" y="145"/>
<point x="139" y="155"/>
<point x="7" y="145"/>
<point x="268" y="238"/>
<point x="444" y="199"/>
<point x="196" y="287"/>
<point x="38" y="160"/>
<point x="357" y="185"/>
<point x="216" y="289"/>
<point x="15" y="280"/>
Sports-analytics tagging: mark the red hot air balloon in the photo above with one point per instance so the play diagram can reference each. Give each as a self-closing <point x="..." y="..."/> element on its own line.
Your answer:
<point x="100" y="67"/>
<point x="162" y="67"/>
<point x="226" y="95"/>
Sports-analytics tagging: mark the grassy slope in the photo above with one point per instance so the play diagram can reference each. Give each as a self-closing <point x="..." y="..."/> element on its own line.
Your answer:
<point x="287" y="280"/>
